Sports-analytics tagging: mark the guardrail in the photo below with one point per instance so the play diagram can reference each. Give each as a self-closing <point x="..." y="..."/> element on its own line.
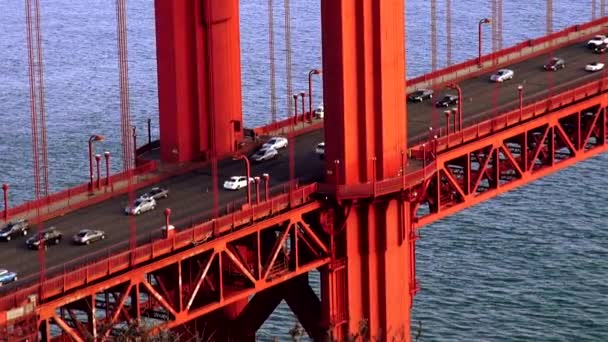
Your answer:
<point x="513" y="54"/>
<point x="69" y="194"/>
<point x="112" y="260"/>
<point x="281" y="127"/>
<point x="512" y="118"/>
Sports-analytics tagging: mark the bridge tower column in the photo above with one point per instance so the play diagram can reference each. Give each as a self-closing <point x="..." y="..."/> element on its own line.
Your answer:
<point x="364" y="95"/>
<point x="199" y="77"/>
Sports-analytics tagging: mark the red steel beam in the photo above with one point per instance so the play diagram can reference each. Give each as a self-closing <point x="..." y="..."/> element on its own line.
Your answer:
<point x="221" y="248"/>
<point x="364" y="65"/>
<point x="517" y="155"/>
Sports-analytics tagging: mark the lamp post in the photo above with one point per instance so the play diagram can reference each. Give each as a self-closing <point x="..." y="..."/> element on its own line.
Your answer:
<point x="295" y="108"/>
<point x="5" y="192"/>
<point x="257" y="189"/>
<point x="455" y="114"/>
<point x="310" y="73"/>
<point x="150" y="133"/>
<point x="337" y="176"/>
<point x="266" y="178"/>
<point x="134" y="147"/>
<point x="481" y="22"/>
<point x="303" y="95"/>
<point x="106" y="154"/>
<point x="98" y="160"/>
<point x="459" y="91"/>
<point x="248" y="171"/>
<point x="91" y="140"/>
<point x="447" y="121"/>
<point x="520" y="90"/>
<point x="424" y="160"/>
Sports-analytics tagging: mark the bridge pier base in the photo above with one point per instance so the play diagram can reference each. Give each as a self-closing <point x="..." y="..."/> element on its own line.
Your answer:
<point x="368" y="290"/>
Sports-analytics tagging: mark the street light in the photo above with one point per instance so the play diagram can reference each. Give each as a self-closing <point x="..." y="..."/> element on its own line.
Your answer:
<point x="257" y="189"/>
<point x="248" y="171"/>
<point x="266" y="178"/>
<point x="134" y="146"/>
<point x="106" y="154"/>
<point x="303" y="95"/>
<point x="459" y="90"/>
<point x="447" y="121"/>
<point x="295" y="108"/>
<point x="520" y="90"/>
<point x="310" y="73"/>
<point x="481" y="22"/>
<point x="91" y="140"/>
<point x="5" y="192"/>
<point x="98" y="160"/>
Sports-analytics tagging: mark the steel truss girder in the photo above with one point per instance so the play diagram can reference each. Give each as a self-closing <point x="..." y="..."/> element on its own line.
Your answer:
<point x="195" y="282"/>
<point x="484" y="168"/>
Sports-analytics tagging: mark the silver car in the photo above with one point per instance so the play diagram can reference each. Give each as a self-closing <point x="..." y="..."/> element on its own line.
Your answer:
<point x="141" y="205"/>
<point x="265" y="153"/>
<point x="156" y="193"/>
<point x="86" y="236"/>
<point x="502" y="75"/>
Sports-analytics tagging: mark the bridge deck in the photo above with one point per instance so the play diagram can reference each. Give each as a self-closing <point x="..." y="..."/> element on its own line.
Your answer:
<point x="191" y="192"/>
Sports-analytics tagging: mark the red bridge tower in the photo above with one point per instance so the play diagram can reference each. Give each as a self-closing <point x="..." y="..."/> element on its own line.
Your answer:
<point x="372" y="279"/>
<point x="199" y="77"/>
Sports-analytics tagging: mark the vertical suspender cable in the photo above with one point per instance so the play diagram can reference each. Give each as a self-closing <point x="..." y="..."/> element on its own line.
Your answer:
<point x="288" y="66"/>
<point x="128" y="158"/>
<point x="593" y="9"/>
<point x="499" y="24"/>
<point x="39" y="146"/>
<point x="448" y="31"/>
<point x="602" y="8"/>
<point x="34" y="122"/>
<point x="41" y="107"/>
<point x="549" y="16"/>
<point x="123" y="69"/>
<point x="271" y="58"/>
<point x="211" y="109"/>
<point x="433" y="35"/>
<point x="494" y="25"/>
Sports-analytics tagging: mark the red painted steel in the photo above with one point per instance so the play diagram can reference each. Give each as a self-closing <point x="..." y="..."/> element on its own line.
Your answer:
<point x="363" y="65"/>
<point x="250" y="264"/>
<point x="192" y="90"/>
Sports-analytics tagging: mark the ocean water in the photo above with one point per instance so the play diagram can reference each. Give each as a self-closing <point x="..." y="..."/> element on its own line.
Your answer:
<point x="529" y="265"/>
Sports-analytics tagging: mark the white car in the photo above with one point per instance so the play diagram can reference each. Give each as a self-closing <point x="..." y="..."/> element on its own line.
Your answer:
<point x="141" y="205"/>
<point x="596" y="66"/>
<point x="502" y="75"/>
<point x="597" y="40"/>
<point x="276" y="143"/>
<point x="320" y="149"/>
<point x="320" y="112"/>
<point x="265" y="153"/>
<point x="237" y="182"/>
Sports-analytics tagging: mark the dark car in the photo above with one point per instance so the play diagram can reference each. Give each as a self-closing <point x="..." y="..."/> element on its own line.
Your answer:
<point x="601" y="48"/>
<point x="156" y="193"/>
<point x="555" y="63"/>
<point x="420" y="95"/>
<point x="447" y="100"/>
<point x="14" y="229"/>
<point x="48" y="236"/>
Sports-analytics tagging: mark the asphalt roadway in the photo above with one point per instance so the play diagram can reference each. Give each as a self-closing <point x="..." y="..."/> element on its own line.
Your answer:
<point x="191" y="193"/>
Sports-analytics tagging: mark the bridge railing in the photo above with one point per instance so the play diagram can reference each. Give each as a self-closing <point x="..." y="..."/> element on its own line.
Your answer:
<point x="119" y="258"/>
<point x="511" y="118"/>
<point x="69" y="194"/>
<point x="513" y="54"/>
